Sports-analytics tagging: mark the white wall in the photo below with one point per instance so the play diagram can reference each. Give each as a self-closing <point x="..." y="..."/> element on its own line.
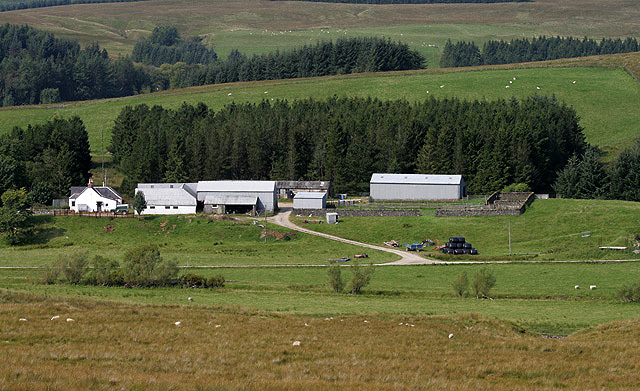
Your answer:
<point x="162" y="210"/>
<point x="413" y="192"/>
<point x="309" y="203"/>
<point x="87" y="202"/>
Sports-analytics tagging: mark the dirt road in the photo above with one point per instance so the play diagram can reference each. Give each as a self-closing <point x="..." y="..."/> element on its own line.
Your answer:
<point x="406" y="258"/>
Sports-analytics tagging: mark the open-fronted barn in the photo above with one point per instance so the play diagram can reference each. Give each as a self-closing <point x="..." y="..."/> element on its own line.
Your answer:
<point x="169" y="198"/>
<point x="238" y="196"/>
<point x="288" y="189"/>
<point x="416" y="187"/>
<point x="310" y="200"/>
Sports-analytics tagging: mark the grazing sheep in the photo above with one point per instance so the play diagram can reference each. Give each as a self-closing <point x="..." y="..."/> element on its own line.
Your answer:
<point x="450" y="336"/>
<point x="229" y="94"/>
<point x="577" y="287"/>
<point x="178" y="323"/>
<point x="70" y="320"/>
<point x="537" y="88"/>
<point x="55" y="317"/>
<point x="22" y="319"/>
<point x="592" y="287"/>
<point x="296" y="343"/>
<point x="190" y="298"/>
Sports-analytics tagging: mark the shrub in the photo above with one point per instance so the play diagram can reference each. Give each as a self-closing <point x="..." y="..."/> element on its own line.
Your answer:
<point x="461" y="284"/>
<point x="335" y="278"/>
<point x="630" y="293"/>
<point x="74" y="268"/>
<point x="105" y="272"/>
<point x="361" y="277"/>
<point x="482" y="282"/>
<point x="191" y="280"/>
<point x="215" y="282"/>
<point x="143" y="266"/>
<point x="517" y="188"/>
<point x="50" y="274"/>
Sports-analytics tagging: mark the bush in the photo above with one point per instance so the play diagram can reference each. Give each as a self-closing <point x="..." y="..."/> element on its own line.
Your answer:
<point x="50" y="274"/>
<point x="335" y="278"/>
<point x="630" y="293"/>
<point x="461" y="284"/>
<point x="361" y="277"/>
<point x="482" y="282"/>
<point x="105" y="272"/>
<point x="215" y="282"/>
<point x="517" y="188"/>
<point x="143" y="266"/>
<point x="74" y="268"/>
<point x="191" y="280"/>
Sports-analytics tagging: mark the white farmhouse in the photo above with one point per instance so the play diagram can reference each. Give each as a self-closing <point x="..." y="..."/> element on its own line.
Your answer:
<point x="169" y="198"/>
<point x="416" y="187"/>
<point x="93" y="198"/>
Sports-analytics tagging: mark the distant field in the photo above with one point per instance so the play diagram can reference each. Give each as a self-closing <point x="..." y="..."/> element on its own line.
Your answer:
<point x="257" y="26"/>
<point x="606" y="99"/>
<point x="553" y="228"/>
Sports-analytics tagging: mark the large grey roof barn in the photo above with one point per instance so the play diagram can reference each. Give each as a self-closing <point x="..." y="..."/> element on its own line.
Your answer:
<point x="416" y="187"/>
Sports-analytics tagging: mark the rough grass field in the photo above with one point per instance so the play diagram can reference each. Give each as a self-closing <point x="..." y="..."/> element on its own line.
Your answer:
<point x="606" y="99"/>
<point x="538" y="297"/>
<point x="188" y="240"/>
<point x="135" y="347"/>
<point x="257" y="26"/>
<point x="552" y="228"/>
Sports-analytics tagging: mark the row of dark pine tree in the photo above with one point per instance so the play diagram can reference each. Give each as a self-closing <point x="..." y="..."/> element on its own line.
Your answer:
<point x="165" y="46"/>
<point x="10" y="5"/>
<point x="55" y="154"/>
<point x="345" y="140"/>
<point x="37" y="68"/>
<point x="345" y="55"/>
<point x="462" y="53"/>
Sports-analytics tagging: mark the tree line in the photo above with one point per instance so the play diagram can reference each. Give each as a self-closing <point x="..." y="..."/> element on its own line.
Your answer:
<point x="586" y="176"/>
<point x="345" y="140"/>
<point x="462" y="53"/>
<point x="37" y="68"/>
<point x="345" y="55"/>
<point x="46" y="159"/>
<point x="10" y="5"/>
<point x="165" y="46"/>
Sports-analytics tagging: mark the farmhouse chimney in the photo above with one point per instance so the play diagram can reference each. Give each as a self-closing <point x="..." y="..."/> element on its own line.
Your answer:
<point x="90" y="183"/>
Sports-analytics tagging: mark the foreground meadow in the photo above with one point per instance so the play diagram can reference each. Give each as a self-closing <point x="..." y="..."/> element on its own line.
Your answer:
<point x="139" y="347"/>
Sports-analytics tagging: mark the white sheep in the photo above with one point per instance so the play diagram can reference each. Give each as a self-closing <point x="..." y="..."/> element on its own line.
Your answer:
<point x="296" y="343"/>
<point x="22" y="319"/>
<point x="178" y="323"/>
<point x="55" y="317"/>
<point x="450" y="336"/>
<point x="190" y="298"/>
<point x="577" y="287"/>
<point x="592" y="287"/>
<point x="70" y="320"/>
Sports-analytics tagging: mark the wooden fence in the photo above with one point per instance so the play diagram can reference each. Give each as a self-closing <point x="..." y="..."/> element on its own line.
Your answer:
<point x="69" y="212"/>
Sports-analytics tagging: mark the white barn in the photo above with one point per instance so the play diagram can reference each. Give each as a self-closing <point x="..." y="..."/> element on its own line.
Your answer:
<point x="416" y="187"/>
<point x="238" y="196"/>
<point x="310" y="200"/>
<point x="93" y="198"/>
<point x="169" y="198"/>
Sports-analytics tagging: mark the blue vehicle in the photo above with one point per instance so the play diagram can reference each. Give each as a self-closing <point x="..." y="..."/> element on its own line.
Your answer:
<point x="413" y="247"/>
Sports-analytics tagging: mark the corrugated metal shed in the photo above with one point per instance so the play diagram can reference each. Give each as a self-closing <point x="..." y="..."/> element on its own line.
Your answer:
<point x="417" y="179"/>
<point x="310" y="200"/>
<point x="231" y="200"/>
<point x="236" y="186"/>
<point x="167" y="196"/>
<point x="192" y="188"/>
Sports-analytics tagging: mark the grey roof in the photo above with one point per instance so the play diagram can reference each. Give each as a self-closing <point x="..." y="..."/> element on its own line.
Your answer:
<point x="320" y="185"/>
<point x="230" y="200"/>
<point x="236" y="186"/>
<point x="168" y="195"/>
<point x="310" y="195"/>
<point x="189" y="187"/>
<point x="107" y="192"/>
<point x="417" y="179"/>
<point x="103" y="191"/>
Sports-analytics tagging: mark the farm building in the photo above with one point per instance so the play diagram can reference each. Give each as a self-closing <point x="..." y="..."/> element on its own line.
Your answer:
<point x="93" y="198"/>
<point x="238" y="196"/>
<point x="310" y="200"/>
<point x="288" y="189"/>
<point x="416" y="187"/>
<point x="169" y="198"/>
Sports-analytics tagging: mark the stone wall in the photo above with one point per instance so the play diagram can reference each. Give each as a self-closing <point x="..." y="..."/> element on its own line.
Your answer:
<point x="358" y="212"/>
<point x="477" y="212"/>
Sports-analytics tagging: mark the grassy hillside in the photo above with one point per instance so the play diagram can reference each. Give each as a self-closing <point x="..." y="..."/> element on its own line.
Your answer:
<point x="258" y="26"/>
<point x="188" y="240"/>
<point x="114" y="346"/>
<point x="607" y="99"/>
<point x="553" y="228"/>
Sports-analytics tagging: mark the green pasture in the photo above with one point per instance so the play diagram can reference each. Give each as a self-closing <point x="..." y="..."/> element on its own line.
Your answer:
<point x="540" y="297"/>
<point x="607" y="100"/>
<point x="552" y="229"/>
<point x="189" y="241"/>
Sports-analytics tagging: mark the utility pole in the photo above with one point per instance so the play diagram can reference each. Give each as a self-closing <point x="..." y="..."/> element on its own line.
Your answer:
<point x="104" y="175"/>
<point x="265" y="225"/>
